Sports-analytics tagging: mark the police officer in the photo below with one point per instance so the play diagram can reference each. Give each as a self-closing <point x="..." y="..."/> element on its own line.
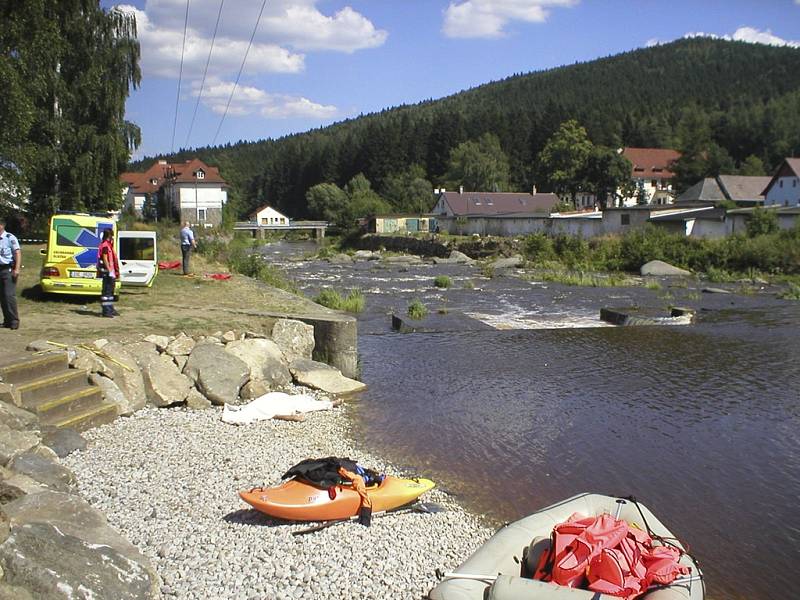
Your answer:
<point x="10" y="264"/>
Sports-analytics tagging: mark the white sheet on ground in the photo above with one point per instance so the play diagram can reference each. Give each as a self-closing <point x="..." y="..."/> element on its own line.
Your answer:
<point x="271" y="404"/>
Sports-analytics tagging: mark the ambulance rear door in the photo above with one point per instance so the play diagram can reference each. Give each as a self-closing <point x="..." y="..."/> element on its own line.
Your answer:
<point x="138" y="257"/>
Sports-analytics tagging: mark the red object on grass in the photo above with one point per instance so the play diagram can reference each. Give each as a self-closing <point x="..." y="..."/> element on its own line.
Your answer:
<point x="220" y="276"/>
<point x="169" y="264"/>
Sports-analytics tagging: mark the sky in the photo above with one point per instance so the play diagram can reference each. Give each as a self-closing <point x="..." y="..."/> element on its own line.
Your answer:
<point x="315" y="62"/>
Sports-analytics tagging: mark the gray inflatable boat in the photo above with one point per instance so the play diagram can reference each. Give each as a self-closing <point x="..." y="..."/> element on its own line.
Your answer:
<point x="494" y="571"/>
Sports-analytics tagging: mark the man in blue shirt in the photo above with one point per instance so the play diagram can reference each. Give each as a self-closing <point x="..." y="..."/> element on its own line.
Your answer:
<point x="187" y="244"/>
<point x="10" y="263"/>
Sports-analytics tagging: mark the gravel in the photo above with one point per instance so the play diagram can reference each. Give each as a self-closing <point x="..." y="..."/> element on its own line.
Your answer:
<point x="167" y="480"/>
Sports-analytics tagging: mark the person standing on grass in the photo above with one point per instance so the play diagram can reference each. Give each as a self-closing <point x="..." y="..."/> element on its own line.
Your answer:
<point x="188" y="243"/>
<point x="108" y="269"/>
<point x="10" y="264"/>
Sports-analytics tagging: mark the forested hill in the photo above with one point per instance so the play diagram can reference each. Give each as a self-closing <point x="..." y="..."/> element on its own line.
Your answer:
<point x="734" y="100"/>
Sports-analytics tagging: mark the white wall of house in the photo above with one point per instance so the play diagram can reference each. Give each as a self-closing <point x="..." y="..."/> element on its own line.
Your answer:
<point x="706" y="228"/>
<point x="270" y="216"/>
<point x="133" y="200"/>
<point x="199" y="197"/>
<point x="442" y="208"/>
<point x="656" y="191"/>
<point x="510" y="226"/>
<point x="785" y="191"/>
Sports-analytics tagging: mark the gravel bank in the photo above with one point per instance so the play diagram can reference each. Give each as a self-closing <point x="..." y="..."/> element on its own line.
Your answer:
<point x="167" y="480"/>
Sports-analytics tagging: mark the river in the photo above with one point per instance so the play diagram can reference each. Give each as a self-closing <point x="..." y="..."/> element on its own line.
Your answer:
<point x="519" y="396"/>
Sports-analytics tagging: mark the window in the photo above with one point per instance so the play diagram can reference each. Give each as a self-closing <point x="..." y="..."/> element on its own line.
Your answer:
<point x="77" y="236"/>
<point x="200" y="174"/>
<point x="137" y="249"/>
<point x="780" y="183"/>
<point x="201" y="214"/>
<point x="624" y="219"/>
<point x="154" y="181"/>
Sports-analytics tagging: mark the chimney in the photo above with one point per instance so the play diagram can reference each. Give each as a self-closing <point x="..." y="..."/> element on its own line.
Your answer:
<point x="534" y="189"/>
<point x="461" y="189"/>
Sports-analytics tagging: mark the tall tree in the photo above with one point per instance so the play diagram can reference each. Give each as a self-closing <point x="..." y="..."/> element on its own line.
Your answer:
<point x="701" y="156"/>
<point x="606" y="173"/>
<point x="70" y="66"/>
<point x="409" y="191"/>
<point x="479" y="166"/>
<point x="564" y="158"/>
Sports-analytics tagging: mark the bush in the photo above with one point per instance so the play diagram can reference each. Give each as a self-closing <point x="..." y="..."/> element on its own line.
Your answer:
<point x="354" y="301"/>
<point x="442" y="281"/>
<point x="762" y="222"/>
<point x="792" y="293"/>
<point x="538" y="247"/>
<point x="417" y="310"/>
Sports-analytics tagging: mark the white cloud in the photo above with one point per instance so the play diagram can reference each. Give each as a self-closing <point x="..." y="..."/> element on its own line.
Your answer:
<point x="489" y="18"/>
<point x="751" y="35"/>
<point x="249" y="100"/>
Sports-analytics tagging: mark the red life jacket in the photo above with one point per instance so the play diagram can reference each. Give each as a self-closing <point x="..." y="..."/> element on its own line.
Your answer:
<point x="107" y="247"/>
<point x="607" y="555"/>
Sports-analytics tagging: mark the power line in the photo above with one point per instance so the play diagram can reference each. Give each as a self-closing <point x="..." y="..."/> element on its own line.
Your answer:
<point x="205" y="71"/>
<point x="235" y="83"/>
<point x="180" y="76"/>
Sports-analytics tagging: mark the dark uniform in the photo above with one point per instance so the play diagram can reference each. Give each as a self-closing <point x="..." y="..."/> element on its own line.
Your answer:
<point x="9" y="246"/>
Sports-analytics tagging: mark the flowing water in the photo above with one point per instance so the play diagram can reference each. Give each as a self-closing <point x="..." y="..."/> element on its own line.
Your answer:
<point x="519" y="396"/>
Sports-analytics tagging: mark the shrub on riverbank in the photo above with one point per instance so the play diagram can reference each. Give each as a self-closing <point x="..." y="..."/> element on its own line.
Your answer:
<point x="777" y="252"/>
<point x="417" y="310"/>
<point x="354" y="301"/>
<point x="442" y="281"/>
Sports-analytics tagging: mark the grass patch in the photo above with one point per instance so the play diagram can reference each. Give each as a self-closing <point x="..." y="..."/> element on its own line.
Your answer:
<point x="417" y="310"/>
<point x="353" y="302"/>
<point x="487" y="270"/>
<point x="580" y="278"/>
<point x="468" y="285"/>
<point x="442" y="281"/>
<point x="792" y="293"/>
<point x="653" y="285"/>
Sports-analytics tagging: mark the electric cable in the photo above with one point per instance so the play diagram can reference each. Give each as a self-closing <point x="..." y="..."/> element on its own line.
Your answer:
<point x="180" y="76"/>
<point x="205" y="71"/>
<point x="241" y="68"/>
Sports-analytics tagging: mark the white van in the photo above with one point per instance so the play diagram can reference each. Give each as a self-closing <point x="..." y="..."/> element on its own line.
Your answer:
<point x="138" y="257"/>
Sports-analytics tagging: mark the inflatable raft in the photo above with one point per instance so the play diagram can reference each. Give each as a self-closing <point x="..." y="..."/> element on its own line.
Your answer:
<point x="501" y="569"/>
<point x="297" y="500"/>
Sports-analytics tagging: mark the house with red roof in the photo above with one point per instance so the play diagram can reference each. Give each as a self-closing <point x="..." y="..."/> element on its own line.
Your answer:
<point x="189" y="191"/>
<point x="652" y="173"/>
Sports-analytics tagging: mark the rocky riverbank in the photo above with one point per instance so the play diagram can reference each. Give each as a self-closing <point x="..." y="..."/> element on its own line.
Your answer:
<point x="168" y="482"/>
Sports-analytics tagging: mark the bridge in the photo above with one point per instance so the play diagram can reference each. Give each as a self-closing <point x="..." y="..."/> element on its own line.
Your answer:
<point x="258" y="230"/>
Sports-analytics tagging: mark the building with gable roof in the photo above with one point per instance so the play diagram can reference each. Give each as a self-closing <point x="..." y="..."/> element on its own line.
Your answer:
<point x="783" y="188"/>
<point x="744" y="190"/>
<point x="191" y="191"/>
<point x="652" y="173"/>
<point x="461" y="203"/>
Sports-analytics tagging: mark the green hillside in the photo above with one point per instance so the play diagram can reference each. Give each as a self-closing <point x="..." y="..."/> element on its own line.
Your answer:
<point x="741" y="100"/>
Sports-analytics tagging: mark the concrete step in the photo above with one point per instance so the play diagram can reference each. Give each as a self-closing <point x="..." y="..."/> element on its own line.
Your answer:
<point x="69" y="403"/>
<point x="51" y="387"/>
<point x="31" y="367"/>
<point x="99" y="414"/>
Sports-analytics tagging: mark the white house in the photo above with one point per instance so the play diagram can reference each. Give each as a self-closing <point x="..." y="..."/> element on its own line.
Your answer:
<point x="784" y="187"/>
<point x="192" y="190"/>
<point x="652" y="175"/>
<point x="268" y="216"/>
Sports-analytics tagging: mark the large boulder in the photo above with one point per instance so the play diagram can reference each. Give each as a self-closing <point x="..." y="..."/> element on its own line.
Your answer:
<point x="163" y="383"/>
<point x="265" y="359"/>
<point x="60" y="547"/>
<point x="63" y="441"/>
<point x="455" y="258"/>
<point x="658" y="268"/>
<point x="13" y="442"/>
<point x="218" y="374"/>
<point x="320" y="376"/>
<point x="196" y="401"/>
<point x="180" y="346"/>
<point x="127" y="375"/>
<point x="17" y="418"/>
<point x="20" y="482"/>
<point x="112" y="393"/>
<point x="43" y="469"/>
<point x="89" y="361"/>
<point x="160" y="341"/>
<point x="294" y="338"/>
<point x="512" y="262"/>
<point x="143" y="352"/>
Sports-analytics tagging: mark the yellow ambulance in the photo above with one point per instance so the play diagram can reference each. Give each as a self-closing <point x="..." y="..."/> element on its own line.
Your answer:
<point x="70" y="259"/>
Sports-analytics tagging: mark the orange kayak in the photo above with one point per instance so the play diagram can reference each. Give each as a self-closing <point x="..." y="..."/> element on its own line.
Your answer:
<point x="299" y="501"/>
